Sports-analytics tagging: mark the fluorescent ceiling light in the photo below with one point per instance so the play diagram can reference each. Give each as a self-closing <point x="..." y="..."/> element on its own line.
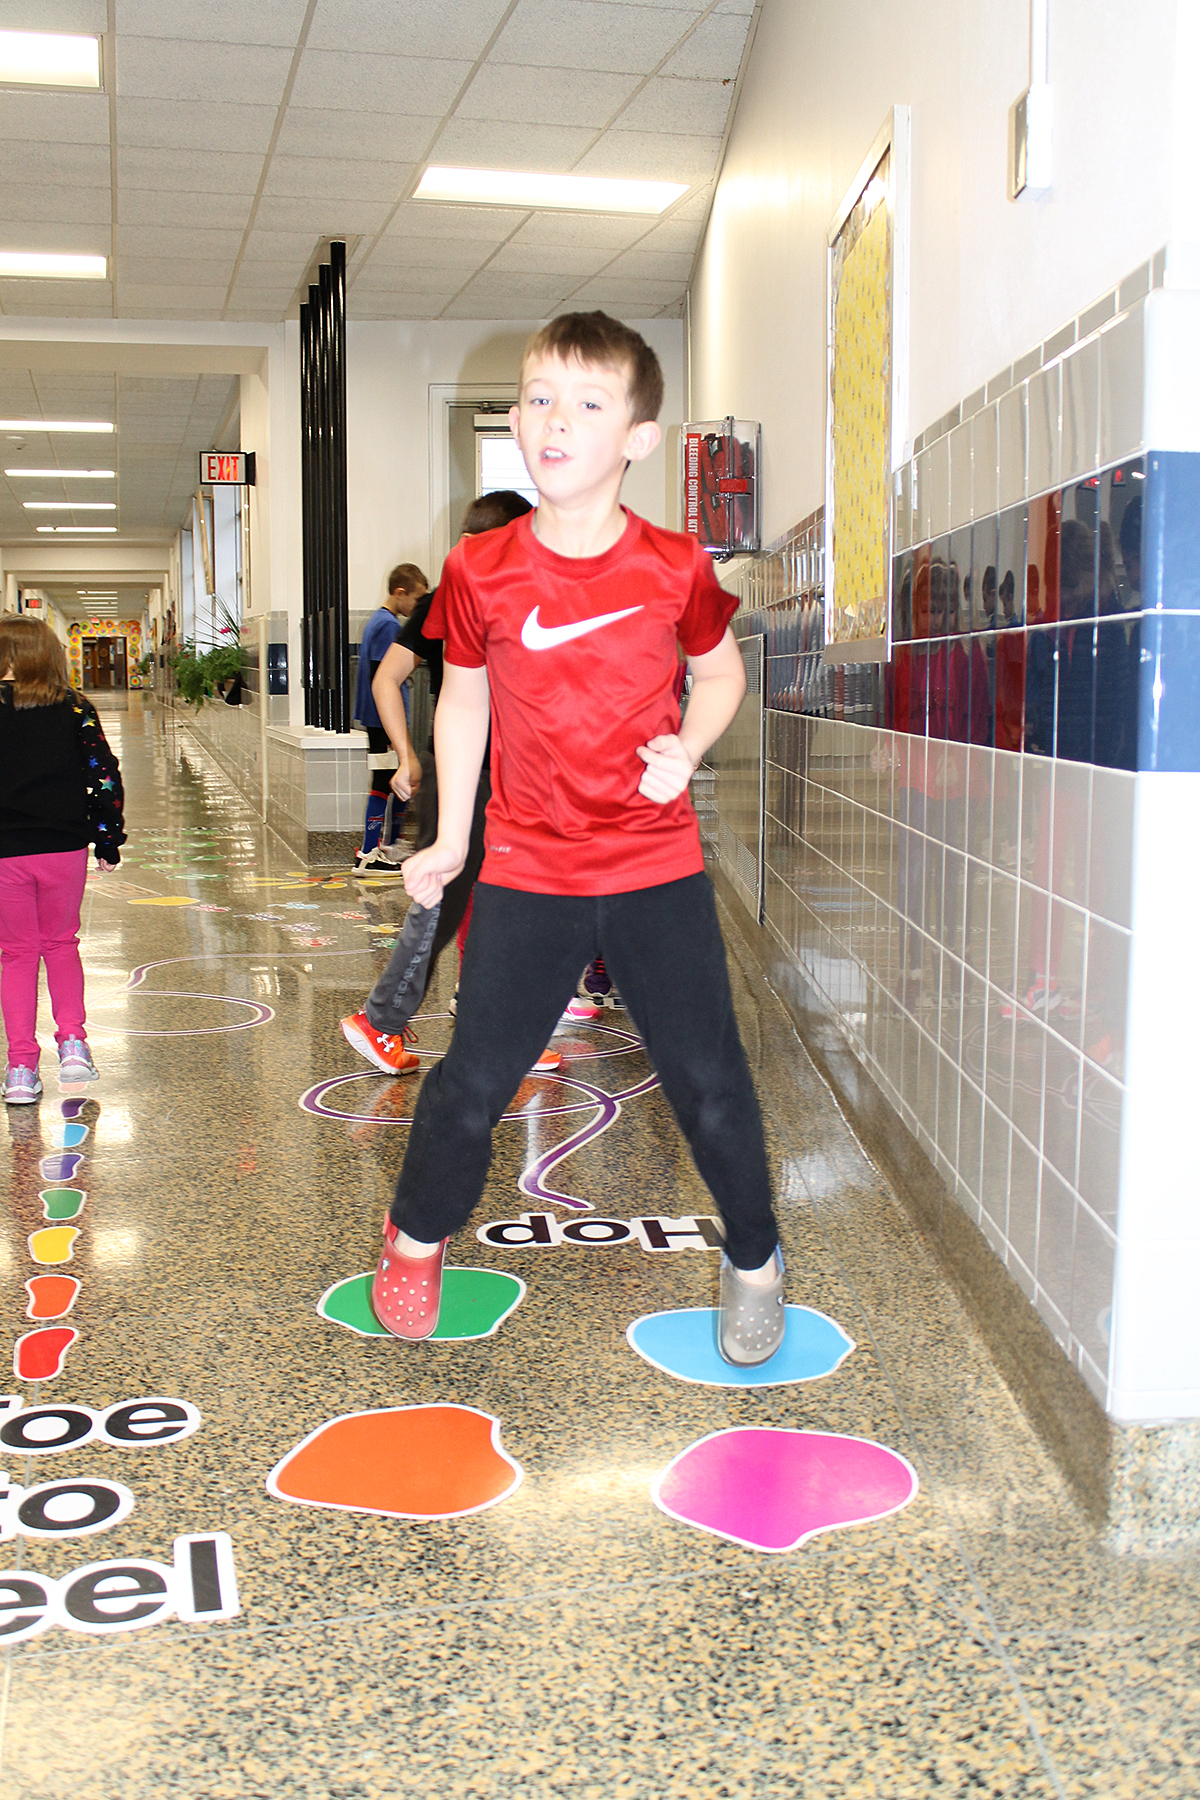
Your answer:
<point x="51" y="265"/>
<point x="56" y="425"/>
<point x="61" y="474"/>
<point x="96" y="593"/>
<point x="77" y="528"/>
<point x="524" y="188"/>
<point x="69" y="505"/>
<point x="49" y="59"/>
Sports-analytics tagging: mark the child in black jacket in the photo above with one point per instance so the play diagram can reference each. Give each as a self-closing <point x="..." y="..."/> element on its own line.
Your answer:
<point x="60" y="790"/>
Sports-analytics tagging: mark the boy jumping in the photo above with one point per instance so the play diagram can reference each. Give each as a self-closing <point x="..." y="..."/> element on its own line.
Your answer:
<point x="564" y="627"/>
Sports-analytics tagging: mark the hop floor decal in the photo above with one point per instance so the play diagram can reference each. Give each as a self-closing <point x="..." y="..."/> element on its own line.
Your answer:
<point x="475" y="1303"/>
<point x="773" y="1489"/>
<point x="684" y="1344"/>
<point x="405" y="1462"/>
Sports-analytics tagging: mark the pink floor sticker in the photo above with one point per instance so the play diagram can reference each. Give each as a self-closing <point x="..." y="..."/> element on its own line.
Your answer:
<point x="773" y="1489"/>
<point x="39" y="1355"/>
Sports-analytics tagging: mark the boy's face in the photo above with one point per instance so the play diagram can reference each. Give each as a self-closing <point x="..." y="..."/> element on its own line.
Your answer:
<point x="574" y="427"/>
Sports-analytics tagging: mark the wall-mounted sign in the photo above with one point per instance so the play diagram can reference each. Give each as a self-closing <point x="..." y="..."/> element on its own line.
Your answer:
<point x="867" y="395"/>
<point x="227" y="468"/>
<point x="718" y="478"/>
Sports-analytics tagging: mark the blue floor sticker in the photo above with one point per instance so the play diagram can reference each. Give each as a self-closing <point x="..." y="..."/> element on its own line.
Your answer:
<point x="684" y="1344"/>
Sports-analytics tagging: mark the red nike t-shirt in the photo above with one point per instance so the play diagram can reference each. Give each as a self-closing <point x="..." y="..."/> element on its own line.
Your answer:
<point x="581" y="659"/>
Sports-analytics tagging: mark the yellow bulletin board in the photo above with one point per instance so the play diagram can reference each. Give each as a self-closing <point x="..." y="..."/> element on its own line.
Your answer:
<point x="867" y="397"/>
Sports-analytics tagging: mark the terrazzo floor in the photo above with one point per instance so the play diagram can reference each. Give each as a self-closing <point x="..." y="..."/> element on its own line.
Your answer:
<point x="565" y="1635"/>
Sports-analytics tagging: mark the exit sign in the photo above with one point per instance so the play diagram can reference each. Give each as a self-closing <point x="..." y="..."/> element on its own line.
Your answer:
<point x="226" y="468"/>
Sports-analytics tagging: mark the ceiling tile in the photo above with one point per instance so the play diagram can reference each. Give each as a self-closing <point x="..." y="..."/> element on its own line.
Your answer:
<point x="94" y="240"/>
<point x="662" y="155"/>
<point x="221" y="172"/>
<point x="54" y="118"/>
<point x="607" y="231"/>
<point x="383" y="83"/>
<point x="369" y="136"/>
<point x="324" y="218"/>
<point x="494" y="286"/>
<point x="562" y="265"/>
<point x="47" y="203"/>
<point x="609" y="291"/>
<point x="553" y="96"/>
<point x="70" y="165"/>
<point x="215" y="212"/>
<point x="194" y="125"/>
<point x="162" y="68"/>
<point x="394" y="255"/>
<point x="56" y="15"/>
<point x="714" y="50"/>
<point x="161" y="272"/>
<point x="189" y="241"/>
<point x="426" y="218"/>
<point x="217" y="21"/>
<point x="590" y="34"/>
<point x="674" y="233"/>
<point x="301" y="177"/>
<point x="412" y="280"/>
<point x="695" y="108"/>
<point x="489" y="144"/>
<point x="654" y="265"/>
<point x="413" y="26"/>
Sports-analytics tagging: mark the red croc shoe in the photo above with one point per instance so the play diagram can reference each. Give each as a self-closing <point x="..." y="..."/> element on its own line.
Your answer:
<point x="406" y="1294"/>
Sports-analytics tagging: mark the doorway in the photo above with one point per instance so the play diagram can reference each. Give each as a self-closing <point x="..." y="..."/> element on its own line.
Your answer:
<point x="104" y="666"/>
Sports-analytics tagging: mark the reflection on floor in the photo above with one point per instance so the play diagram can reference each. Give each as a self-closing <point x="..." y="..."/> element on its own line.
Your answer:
<point x="254" y="1548"/>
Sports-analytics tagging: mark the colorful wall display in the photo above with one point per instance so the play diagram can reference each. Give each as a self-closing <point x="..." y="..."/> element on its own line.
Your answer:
<point x="129" y="629"/>
<point x="867" y="395"/>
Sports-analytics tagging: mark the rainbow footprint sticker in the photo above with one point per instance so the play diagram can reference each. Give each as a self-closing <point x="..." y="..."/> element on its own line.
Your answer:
<point x="403" y="1462"/>
<point x="53" y="1244"/>
<point x="475" y="1303"/>
<point x="772" y="1489"/>
<point x="39" y="1355"/>
<point x="51" y="1296"/>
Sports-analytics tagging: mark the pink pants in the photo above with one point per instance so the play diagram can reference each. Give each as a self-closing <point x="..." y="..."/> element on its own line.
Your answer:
<point x="40" y="897"/>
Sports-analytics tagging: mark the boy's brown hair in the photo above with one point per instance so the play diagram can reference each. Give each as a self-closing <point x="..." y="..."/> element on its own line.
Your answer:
<point x="37" y="660"/>
<point x="406" y="578"/>
<point x="593" y="337"/>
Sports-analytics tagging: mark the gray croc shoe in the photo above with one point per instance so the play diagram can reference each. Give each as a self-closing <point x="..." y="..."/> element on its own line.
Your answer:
<point x="752" y="1318"/>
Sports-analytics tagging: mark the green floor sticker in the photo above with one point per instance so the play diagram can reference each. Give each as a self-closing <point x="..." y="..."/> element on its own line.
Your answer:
<point x="475" y="1303"/>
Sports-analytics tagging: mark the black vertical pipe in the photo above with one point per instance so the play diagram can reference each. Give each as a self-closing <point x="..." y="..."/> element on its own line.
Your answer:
<point x="306" y="504"/>
<point x="340" y="591"/>
<point x="326" y="620"/>
<point x="326" y="422"/>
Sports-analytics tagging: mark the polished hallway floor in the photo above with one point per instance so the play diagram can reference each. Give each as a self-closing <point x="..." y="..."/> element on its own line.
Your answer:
<point x="562" y="1634"/>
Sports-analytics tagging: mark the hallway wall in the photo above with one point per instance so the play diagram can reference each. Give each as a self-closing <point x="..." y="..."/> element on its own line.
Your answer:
<point x="989" y="278"/>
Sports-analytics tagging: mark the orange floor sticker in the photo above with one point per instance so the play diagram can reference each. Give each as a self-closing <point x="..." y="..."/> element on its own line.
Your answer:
<point x="406" y="1462"/>
<point x="51" y="1296"/>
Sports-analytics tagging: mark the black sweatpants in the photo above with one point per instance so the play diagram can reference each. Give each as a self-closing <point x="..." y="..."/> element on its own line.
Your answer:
<point x="525" y="952"/>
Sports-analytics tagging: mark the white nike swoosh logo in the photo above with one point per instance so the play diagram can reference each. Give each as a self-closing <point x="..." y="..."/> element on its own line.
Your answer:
<point x="536" y="636"/>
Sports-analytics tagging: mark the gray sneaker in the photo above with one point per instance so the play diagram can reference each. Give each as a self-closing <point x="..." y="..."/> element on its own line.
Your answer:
<point x="75" y="1061"/>
<point x="752" y="1318"/>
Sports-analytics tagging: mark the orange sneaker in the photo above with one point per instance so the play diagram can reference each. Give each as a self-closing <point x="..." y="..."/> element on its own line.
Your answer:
<point x="386" y="1051"/>
<point x="406" y="1294"/>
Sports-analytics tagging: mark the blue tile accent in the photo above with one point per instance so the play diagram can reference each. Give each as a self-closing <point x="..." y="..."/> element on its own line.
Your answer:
<point x="1169" y="682"/>
<point x="1171" y="532"/>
